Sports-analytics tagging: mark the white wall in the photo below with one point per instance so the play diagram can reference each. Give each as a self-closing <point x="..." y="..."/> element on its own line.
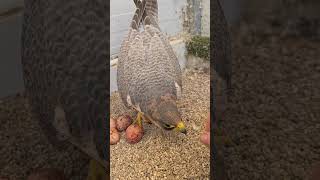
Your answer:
<point x="121" y="12"/>
<point x="205" y="20"/>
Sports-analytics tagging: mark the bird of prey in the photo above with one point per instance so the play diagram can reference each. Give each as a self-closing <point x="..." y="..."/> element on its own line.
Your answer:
<point x="149" y="74"/>
<point x="64" y="65"/>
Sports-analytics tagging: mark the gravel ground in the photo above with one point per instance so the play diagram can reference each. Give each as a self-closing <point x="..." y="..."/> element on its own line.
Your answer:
<point x="273" y="118"/>
<point x="172" y="155"/>
<point x="24" y="148"/>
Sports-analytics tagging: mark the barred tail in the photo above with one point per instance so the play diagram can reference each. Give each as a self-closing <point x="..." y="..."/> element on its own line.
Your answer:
<point x="152" y="8"/>
<point x="150" y="15"/>
<point x="141" y="6"/>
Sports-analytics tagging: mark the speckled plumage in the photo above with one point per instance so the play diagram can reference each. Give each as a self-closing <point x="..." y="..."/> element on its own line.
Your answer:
<point x="64" y="64"/>
<point x="148" y="69"/>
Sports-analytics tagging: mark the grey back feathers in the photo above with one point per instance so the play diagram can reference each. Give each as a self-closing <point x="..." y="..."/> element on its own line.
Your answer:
<point x="147" y="66"/>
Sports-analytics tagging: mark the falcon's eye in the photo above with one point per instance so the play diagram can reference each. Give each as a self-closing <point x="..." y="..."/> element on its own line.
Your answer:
<point x="168" y="127"/>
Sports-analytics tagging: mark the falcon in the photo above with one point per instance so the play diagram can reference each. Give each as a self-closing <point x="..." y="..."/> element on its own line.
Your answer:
<point x="148" y="72"/>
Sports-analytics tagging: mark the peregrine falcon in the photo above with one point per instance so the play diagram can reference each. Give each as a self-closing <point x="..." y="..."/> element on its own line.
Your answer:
<point x="149" y="74"/>
<point x="64" y="65"/>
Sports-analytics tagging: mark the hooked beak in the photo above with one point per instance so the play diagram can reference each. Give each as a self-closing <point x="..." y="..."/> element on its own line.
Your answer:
<point x="180" y="127"/>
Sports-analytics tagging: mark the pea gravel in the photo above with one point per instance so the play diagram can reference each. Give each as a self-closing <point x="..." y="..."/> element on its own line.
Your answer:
<point x="169" y="155"/>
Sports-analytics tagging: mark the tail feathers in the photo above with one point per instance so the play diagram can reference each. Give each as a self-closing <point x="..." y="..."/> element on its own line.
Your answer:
<point x="151" y="21"/>
<point x="141" y="6"/>
<point x="150" y="15"/>
<point x="152" y="8"/>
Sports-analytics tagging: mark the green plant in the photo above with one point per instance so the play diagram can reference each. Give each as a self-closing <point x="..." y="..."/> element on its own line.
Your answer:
<point x="199" y="46"/>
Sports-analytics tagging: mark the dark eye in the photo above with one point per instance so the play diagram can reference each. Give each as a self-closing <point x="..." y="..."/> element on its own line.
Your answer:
<point x="168" y="127"/>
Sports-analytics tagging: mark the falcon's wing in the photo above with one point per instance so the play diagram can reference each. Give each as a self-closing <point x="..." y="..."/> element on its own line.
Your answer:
<point x="124" y="75"/>
<point x="152" y="28"/>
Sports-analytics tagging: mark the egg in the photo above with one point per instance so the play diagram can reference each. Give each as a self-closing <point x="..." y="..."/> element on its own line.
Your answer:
<point x="114" y="136"/>
<point x="123" y="122"/>
<point x="112" y="123"/>
<point x="134" y="133"/>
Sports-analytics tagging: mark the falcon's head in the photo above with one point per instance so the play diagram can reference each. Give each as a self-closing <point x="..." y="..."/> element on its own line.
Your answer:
<point x="165" y="114"/>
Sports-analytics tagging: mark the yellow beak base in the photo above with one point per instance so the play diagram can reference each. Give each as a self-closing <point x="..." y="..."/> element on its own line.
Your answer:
<point x="180" y="127"/>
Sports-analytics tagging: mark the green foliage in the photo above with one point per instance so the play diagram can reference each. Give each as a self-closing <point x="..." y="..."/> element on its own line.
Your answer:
<point x="199" y="46"/>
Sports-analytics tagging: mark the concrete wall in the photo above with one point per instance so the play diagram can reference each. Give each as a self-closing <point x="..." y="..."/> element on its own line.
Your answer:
<point x="121" y="12"/>
<point x="232" y="10"/>
<point x="11" y="80"/>
<point x="9" y="4"/>
<point x="205" y="20"/>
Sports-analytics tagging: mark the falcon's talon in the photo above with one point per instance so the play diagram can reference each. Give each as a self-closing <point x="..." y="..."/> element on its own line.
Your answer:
<point x="139" y="119"/>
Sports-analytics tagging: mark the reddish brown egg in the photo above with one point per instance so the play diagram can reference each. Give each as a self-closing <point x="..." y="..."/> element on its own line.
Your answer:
<point x="134" y="133"/>
<point x="205" y="138"/>
<point x="114" y="136"/>
<point x="112" y="123"/>
<point x="123" y="122"/>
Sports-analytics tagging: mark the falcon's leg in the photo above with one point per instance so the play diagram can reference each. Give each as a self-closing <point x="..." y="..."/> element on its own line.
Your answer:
<point x="139" y="119"/>
<point x="96" y="171"/>
<point x="141" y="115"/>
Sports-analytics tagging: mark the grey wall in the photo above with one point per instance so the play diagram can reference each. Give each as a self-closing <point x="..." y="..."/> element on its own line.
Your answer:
<point x="232" y="9"/>
<point x="205" y="20"/>
<point x="10" y="62"/>
<point x="8" y="4"/>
